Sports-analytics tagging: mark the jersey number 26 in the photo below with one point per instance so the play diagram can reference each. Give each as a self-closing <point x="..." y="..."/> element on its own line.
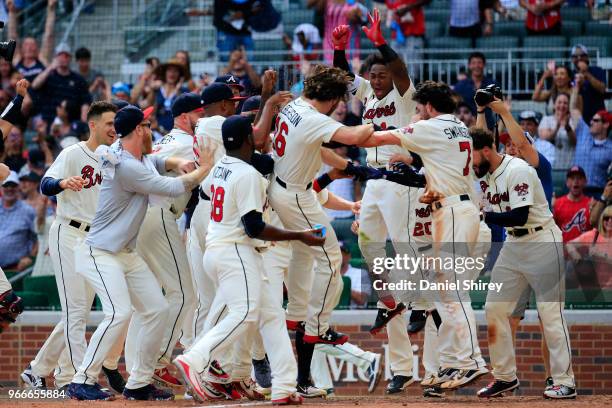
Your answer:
<point x="217" y="195"/>
<point x="279" y="137"/>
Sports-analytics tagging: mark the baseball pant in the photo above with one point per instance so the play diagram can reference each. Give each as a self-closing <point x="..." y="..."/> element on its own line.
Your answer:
<point x="541" y="266"/>
<point x="431" y="358"/>
<point x="162" y="248"/>
<point x="76" y="298"/>
<point x="238" y="271"/>
<point x="204" y="286"/>
<point x="122" y="281"/>
<point x="455" y="230"/>
<point x="5" y="285"/>
<point x="312" y="292"/>
<point x="384" y="213"/>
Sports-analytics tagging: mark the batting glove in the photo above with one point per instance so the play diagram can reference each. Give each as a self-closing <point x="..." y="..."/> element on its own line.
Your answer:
<point x="374" y="32"/>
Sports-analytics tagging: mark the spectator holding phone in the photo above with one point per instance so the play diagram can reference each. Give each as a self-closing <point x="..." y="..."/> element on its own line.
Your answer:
<point x="592" y="81"/>
<point x="562" y="83"/>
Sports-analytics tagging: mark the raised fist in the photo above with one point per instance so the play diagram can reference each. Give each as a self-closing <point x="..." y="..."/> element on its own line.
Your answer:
<point x="340" y="37"/>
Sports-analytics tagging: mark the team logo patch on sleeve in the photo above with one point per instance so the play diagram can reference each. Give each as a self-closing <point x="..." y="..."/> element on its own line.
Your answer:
<point x="522" y="189"/>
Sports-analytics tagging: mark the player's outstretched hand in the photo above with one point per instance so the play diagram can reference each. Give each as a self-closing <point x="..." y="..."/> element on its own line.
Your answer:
<point x="4" y="172"/>
<point x="74" y="183"/>
<point x="374" y="32"/>
<point x="269" y="81"/>
<point x="340" y="37"/>
<point x="313" y="237"/>
<point x="356" y="207"/>
<point x="430" y="197"/>
<point x="498" y="106"/>
<point x="207" y="155"/>
<point x="21" y="87"/>
<point x="281" y="98"/>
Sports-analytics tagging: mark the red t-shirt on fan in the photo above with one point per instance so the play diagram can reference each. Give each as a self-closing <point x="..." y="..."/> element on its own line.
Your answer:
<point x="572" y="216"/>
<point x="413" y="23"/>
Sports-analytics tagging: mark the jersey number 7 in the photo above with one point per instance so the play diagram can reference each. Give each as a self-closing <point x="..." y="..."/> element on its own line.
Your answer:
<point x="279" y="137"/>
<point x="217" y="195"/>
<point x="463" y="146"/>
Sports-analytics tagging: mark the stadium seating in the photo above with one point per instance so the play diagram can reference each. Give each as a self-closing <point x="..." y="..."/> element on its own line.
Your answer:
<point x="542" y="46"/>
<point x="597" y="28"/>
<point x="571" y="28"/>
<point x="496" y="46"/>
<point x="434" y="29"/>
<point x="448" y="44"/>
<point x="512" y="28"/>
<point x="582" y="14"/>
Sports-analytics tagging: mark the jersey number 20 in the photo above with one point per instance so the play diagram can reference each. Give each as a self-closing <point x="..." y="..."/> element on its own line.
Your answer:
<point x="279" y="137"/>
<point x="217" y="195"/>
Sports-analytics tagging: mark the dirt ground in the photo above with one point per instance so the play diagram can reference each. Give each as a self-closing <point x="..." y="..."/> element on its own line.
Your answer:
<point x="598" y="401"/>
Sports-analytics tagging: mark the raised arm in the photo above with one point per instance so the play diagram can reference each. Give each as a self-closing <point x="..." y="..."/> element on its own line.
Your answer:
<point x="399" y="72"/>
<point x="12" y="113"/>
<point x="353" y="135"/>
<point x="46" y="49"/>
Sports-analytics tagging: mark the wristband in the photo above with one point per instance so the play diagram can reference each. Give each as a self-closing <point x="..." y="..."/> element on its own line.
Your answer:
<point x="387" y="52"/>
<point x="320" y="183"/>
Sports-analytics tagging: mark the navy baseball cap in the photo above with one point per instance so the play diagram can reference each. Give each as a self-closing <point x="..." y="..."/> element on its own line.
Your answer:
<point x="185" y="103"/>
<point x="217" y="92"/>
<point x="119" y="103"/>
<point x="576" y="171"/>
<point x="128" y="118"/>
<point x="229" y="80"/>
<point x="251" y="104"/>
<point x="31" y="176"/>
<point x="235" y="130"/>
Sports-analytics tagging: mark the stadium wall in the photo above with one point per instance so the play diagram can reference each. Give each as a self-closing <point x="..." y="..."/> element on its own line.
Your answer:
<point x="590" y="332"/>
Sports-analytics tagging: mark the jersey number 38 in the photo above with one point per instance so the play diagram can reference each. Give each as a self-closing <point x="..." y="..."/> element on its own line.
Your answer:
<point x="217" y="195"/>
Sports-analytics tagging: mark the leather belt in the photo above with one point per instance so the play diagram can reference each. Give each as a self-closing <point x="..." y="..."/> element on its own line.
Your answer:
<point x="446" y="201"/>
<point x="78" y="225"/>
<point x="284" y="185"/>
<point x="520" y="232"/>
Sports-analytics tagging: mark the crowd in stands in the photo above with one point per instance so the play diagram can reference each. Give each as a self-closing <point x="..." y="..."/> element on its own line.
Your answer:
<point x="572" y="131"/>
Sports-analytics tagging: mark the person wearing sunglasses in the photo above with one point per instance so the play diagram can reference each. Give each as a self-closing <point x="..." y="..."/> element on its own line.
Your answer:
<point x="592" y="81"/>
<point x="594" y="151"/>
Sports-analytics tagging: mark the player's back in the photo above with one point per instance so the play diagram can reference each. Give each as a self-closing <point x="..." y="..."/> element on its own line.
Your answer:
<point x="445" y="147"/>
<point x="77" y="160"/>
<point x="209" y="129"/>
<point x="235" y="188"/>
<point x="300" y="131"/>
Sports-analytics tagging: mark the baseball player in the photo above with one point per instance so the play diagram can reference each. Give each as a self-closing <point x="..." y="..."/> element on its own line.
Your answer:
<point x="517" y="201"/>
<point x="107" y="258"/>
<point x="388" y="104"/>
<point x="238" y="198"/>
<point x="160" y="244"/>
<point x="444" y="145"/>
<point x="75" y="178"/>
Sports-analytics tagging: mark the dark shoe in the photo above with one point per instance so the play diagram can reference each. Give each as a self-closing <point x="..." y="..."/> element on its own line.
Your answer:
<point x="86" y="392"/>
<point x="398" y="384"/>
<point x="115" y="379"/>
<point x="497" y="388"/>
<point x="560" y="392"/>
<point x="330" y="337"/>
<point x="444" y="375"/>
<point x="433" y="392"/>
<point x="384" y="316"/>
<point x="549" y="383"/>
<point x="263" y="373"/>
<point x="417" y="321"/>
<point x="33" y="381"/>
<point x="147" y="393"/>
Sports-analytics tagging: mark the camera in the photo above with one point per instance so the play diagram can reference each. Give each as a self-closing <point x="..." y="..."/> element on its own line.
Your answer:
<point x="484" y="96"/>
<point x="7" y="48"/>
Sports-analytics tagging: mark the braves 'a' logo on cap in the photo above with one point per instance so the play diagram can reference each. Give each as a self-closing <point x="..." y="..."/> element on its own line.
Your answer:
<point x="231" y="80"/>
<point x="522" y="189"/>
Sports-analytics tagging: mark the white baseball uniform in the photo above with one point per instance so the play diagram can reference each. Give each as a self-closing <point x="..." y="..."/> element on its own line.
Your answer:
<point x="534" y="259"/>
<point x="4" y="283"/>
<point x="75" y="211"/>
<point x="444" y="144"/>
<point x="232" y="260"/>
<point x="161" y="246"/>
<point x="383" y="208"/>
<point x="300" y="132"/>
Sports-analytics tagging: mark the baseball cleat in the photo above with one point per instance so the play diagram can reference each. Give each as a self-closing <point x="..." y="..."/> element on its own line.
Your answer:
<point x="216" y="373"/>
<point x="428" y="381"/>
<point x="248" y="389"/>
<point x="417" y="321"/>
<point x="33" y="381"/>
<point x="291" y="399"/>
<point x="295" y="325"/>
<point x="388" y="301"/>
<point x="398" y="384"/>
<point x="464" y="377"/>
<point x="374" y="373"/>
<point x="549" y="383"/>
<point x="263" y="373"/>
<point x="115" y="379"/>
<point x="497" y="388"/>
<point x="330" y="337"/>
<point x="310" y="391"/>
<point x="384" y="316"/>
<point x="87" y="392"/>
<point x="444" y="375"/>
<point x="227" y="390"/>
<point x="560" y="392"/>
<point x="163" y="376"/>
<point x="192" y="380"/>
<point x="433" y="392"/>
<point x="147" y="393"/>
